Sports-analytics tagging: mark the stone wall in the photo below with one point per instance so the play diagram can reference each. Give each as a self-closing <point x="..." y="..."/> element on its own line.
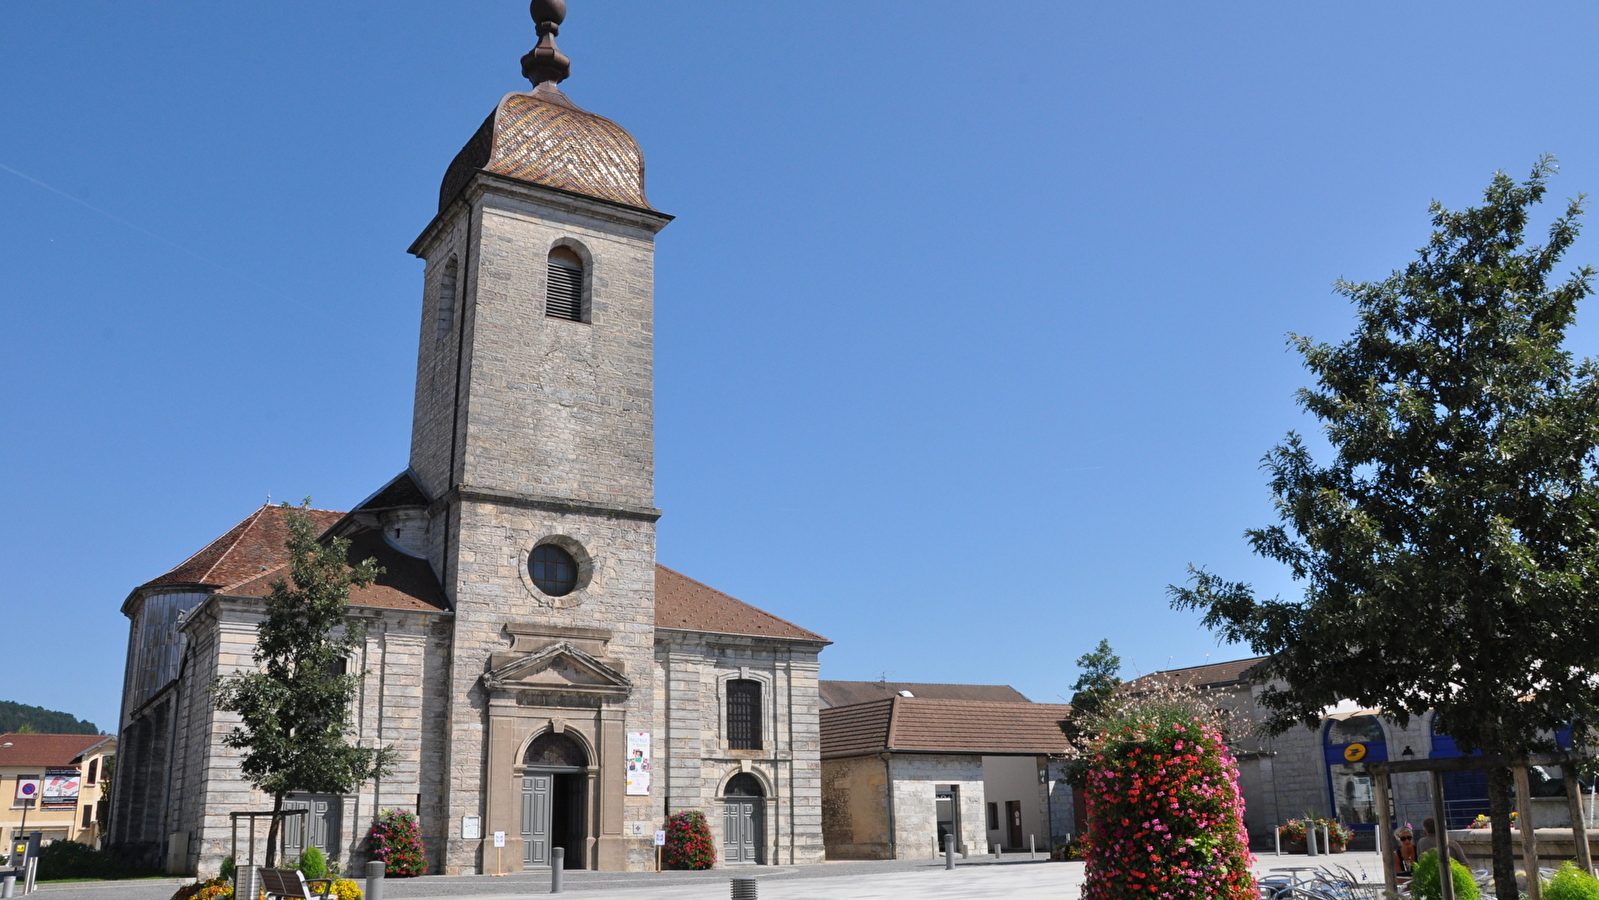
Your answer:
<point x="916" y="779"/>
<point x="855" y="808"/>
<point x="692" y="671"/>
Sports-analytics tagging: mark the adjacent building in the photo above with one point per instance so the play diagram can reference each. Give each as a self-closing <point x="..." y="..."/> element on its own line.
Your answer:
<point x="1321" y="771"/>
<point x="541" y="677"/>
<point x="56" y="783"/>
<point x="902" y="772"/>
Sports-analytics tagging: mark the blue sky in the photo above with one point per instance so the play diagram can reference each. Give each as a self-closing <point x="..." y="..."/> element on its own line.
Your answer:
<point x="970" y="326"/>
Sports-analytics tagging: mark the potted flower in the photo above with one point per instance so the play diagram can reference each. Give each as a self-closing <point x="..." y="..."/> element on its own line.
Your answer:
<point x="1338" y="835"/>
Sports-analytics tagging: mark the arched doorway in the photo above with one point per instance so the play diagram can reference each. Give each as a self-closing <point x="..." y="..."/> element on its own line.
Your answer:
<point x="743" y="821"/>
<point x="554" y="786"/>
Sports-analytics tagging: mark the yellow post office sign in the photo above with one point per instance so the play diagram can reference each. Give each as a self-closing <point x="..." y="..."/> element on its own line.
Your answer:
<point x="1355" y="752"/>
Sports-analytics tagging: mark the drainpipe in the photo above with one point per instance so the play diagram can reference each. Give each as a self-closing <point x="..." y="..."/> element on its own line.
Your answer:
<point x="888" y="779"/>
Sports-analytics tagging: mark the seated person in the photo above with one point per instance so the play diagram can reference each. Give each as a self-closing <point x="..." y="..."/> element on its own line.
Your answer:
<point x="1429" y="841"/>
<point x="1405" y="853"/>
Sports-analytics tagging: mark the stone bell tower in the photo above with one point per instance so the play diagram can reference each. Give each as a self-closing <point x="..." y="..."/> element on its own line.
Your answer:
<point x="533" y="436"/>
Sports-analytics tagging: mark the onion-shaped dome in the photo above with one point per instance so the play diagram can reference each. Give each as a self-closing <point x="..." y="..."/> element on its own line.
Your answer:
<point x="543" y="137"/>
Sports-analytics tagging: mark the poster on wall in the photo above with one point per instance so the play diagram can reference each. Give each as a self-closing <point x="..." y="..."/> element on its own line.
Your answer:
<point x="638" y="762"/>
<point x="61" y="787"/>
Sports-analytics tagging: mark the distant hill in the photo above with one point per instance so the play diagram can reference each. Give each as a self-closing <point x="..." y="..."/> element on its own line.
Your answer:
<point x="16" y="716"/>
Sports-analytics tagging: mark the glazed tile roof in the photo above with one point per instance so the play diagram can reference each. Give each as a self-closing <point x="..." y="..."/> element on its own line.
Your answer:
<point x="967" y="727"/>
<point x="845" y="693"/>
<point x="544" y="138"/>
<point x="47" y="749"/>
<point x="1210" y="675"/>
<point x="688" y="605"/>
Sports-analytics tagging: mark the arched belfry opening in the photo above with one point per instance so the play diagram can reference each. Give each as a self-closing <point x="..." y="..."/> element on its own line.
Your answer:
<point x="555" y="787"/>
<point x="743" y="821"/>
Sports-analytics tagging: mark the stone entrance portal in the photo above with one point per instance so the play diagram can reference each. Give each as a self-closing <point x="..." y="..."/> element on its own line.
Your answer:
<point x="554" y="814"/>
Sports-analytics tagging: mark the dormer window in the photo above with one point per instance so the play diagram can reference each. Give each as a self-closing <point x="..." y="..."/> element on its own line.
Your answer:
<point x="563" y="298"/>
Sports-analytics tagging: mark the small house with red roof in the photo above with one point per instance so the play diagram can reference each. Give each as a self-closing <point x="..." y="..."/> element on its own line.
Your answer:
<point x="56" y="785"/>
<point x="544" y="682"/>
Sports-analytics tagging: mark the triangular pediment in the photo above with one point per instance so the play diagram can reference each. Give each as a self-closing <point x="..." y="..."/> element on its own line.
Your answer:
<point x="558" y="667"/>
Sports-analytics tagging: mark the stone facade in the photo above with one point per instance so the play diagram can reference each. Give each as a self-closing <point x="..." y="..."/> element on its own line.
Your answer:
<point x="530" y="429"/>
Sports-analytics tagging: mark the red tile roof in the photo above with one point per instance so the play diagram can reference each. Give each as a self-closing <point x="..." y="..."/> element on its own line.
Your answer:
<point x="46" y="749"/>
<point x="968" y="727"/>
<point x="846" y="693"/>
<point x="245" y="561"/>
<point x="248" y="549"/>
<point x="689" y="605"/>
<point x="1210" y="675"/>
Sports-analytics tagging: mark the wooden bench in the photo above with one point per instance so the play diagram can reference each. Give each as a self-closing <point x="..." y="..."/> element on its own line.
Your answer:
<point x="291" y="883"/>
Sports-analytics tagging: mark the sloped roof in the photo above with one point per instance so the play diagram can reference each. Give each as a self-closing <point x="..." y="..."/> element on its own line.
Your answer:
<point x="689" y="605"/>
<point x="248" y="549"/>
<point x="402" y="490"/>
<point x="47" y="749"/>
<point x="245" y="561"/>
<point x="406" y="582"/>
<point x="846" y="693"/>
<point x="969" y="727"/>
<point x="1210" y="675"/>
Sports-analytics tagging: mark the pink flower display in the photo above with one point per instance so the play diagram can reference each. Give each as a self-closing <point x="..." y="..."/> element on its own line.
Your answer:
<point x="1165" y="818"/>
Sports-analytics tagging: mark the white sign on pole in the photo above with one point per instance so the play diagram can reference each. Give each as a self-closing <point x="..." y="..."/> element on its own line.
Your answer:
<point x="660" y="839"/>
<point x="499" y="839"/>
<point x="638" y="762"/>
<point x="28" y="787"/>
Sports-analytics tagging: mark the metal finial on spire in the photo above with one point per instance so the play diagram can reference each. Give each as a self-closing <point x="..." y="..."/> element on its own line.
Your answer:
<point x="545" y="63"/>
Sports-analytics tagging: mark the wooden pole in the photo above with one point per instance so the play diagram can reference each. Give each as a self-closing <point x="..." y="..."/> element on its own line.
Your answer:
<point x="1579" y="825"/>
<point x="1385" y="833"/>
<point x="1446" y="868"/>
<point x="1529" y="840"/>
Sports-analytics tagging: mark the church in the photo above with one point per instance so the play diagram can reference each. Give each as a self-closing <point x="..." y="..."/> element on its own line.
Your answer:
<point x="544" y="682"/>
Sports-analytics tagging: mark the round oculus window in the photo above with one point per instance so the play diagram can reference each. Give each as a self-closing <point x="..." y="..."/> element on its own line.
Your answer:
<point x="553" y="569"/>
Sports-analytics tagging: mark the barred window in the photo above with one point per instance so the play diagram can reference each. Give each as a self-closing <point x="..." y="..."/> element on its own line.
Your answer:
<point x="744" y="715"/>
<point x="563" y="296"/>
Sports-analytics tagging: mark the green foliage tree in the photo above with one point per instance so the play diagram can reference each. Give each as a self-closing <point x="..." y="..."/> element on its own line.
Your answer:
<point x="295" y="707"/>
<point x="19" y="718"/>
<point x="1100" y="675"/>
<point x="1449" y="550"/>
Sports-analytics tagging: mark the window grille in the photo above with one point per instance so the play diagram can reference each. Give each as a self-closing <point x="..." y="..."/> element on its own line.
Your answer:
<point x="564" y="294"/>
<point x="446" y="311"/>
<point x="744" y="715"/>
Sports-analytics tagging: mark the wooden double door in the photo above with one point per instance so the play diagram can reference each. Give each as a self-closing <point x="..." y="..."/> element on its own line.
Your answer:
<point x="553" y="815"/>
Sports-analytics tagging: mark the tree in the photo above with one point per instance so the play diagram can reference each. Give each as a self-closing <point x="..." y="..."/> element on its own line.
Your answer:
<point x="1101" y="675"/>
<point x="1093" y="690"/>
<point x="1449" y="549"/>
<point x="294" y="709"/>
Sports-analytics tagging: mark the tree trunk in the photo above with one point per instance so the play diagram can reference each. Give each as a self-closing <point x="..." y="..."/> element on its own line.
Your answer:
<point x="1504" y="866"/>
<point x="277" y="822"/>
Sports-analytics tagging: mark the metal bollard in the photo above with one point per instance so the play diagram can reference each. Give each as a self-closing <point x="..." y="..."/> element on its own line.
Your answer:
<point x="1031" y="847"/>
<point x="1310" y="841"/>
<point x="33" y="873"/>
<point x="8" y="885"/>
<point x="949" y="851"/>
<point x="996" y="850"/>
<point x="376" y="871"/>
<point x="557" y="868"/>
<point x="743" y="889"/>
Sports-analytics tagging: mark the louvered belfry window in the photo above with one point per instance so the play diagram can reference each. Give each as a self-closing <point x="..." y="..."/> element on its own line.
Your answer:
<point x="564" y="296"/>
<point x="744" y="715"/>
